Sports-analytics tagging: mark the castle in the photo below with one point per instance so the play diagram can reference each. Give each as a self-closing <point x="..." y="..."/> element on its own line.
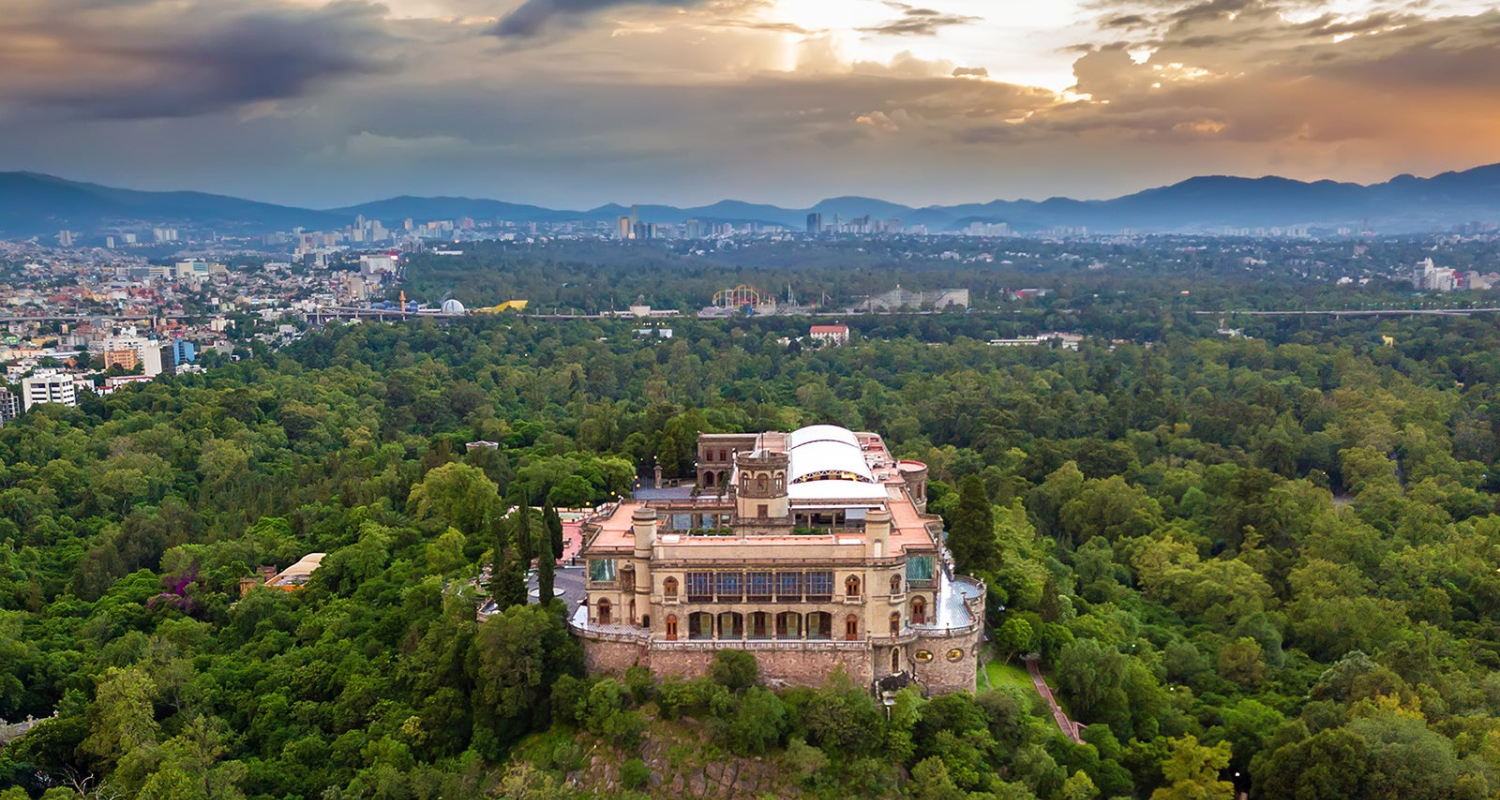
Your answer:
<point x="811" y="549"/>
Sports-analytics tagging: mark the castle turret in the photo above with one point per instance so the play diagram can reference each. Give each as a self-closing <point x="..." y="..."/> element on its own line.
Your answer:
<point x="761" y="490"/>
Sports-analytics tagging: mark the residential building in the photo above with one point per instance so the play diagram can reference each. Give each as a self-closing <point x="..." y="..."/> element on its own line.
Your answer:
<point x="126" y="359"/>
<point x="829" y="334"/>
<point x="10" y="406"/>
<point x="49" y="387"/>
<point x="811" y="549"/>
<point x="183" y="352"/>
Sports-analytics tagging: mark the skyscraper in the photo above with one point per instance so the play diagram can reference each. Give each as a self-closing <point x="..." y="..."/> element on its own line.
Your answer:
<point x="814" y="223"/>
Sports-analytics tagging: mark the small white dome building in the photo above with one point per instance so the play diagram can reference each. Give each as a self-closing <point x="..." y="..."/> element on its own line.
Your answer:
<point x="452" y="307"/>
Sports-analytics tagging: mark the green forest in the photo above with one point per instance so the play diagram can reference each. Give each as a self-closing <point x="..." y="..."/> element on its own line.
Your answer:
<point x="1263" y="564"/>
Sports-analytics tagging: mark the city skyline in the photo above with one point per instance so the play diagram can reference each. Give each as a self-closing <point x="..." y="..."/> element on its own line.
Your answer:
<point x="576" y="103"/>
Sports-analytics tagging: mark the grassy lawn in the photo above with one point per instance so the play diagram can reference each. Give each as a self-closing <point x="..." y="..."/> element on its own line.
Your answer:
<point x="1008" y="675"/>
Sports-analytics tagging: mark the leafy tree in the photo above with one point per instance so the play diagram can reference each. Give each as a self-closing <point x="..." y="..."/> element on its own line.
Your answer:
<point x="735" y="670"/>
<point x="457" y="495"/>
<point x="1192" y="771"/>
<point x="1240" y="662"/>
<point x="122" y="719"/>
<point x="1015" y="637"/>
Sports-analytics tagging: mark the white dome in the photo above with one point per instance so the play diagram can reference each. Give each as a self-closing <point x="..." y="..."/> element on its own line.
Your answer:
<point x="827" y="452"/>
<point x="452" y="307"/>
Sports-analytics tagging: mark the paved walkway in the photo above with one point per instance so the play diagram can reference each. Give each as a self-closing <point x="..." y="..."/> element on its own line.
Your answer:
<point x="1069" y="727"/>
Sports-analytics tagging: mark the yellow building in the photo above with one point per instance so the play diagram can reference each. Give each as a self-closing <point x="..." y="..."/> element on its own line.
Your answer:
<point x="811" y="549"/>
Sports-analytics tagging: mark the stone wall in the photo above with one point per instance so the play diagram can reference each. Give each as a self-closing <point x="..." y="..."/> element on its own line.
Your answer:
<point x="612" y="658"/>
<point x="808" y="665"/>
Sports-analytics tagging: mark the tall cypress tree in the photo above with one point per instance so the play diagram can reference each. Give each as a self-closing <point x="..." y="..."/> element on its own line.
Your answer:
<point x="546" y="570"/>
<point x="508" y="587"/>
<point x="500" y="537"/>
<point x="524" y="541"/>
<point x="972" y="537"/>
<point x="554" y="529"/>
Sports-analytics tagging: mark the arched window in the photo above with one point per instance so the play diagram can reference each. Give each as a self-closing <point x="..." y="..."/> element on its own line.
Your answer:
<point x="671" y="628"/>
<point x="708" y="479"/>
<point x="851" y="628"/>
<point x="789" y="625"/>
<point x="627" y="580"/>
<point x="895" y="584"/>
<point x="820" y="625"/>
<point x="760" y="625"/>
<point x="603" y="612"/>
<point x="851" y="586"/>
<point x="731" y="625"/>
<point x="669" y="588"/>
<point x="723" y="455"/>
<point x="896" y="624"/>
<point x="895" y="660"/>
<point x="632" y="611"/>
<point x="918" y="610"/>
<point x="700" y="625"/>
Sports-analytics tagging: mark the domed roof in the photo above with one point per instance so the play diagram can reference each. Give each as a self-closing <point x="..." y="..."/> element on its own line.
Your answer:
<point x="827" y="452"/>
<point x="452" y="307"/>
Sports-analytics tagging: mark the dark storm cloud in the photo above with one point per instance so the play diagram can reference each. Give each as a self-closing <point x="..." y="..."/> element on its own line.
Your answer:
<point x="143" y="60"/>
<point x="916" y="21"/>
<point x="533" y="16"/>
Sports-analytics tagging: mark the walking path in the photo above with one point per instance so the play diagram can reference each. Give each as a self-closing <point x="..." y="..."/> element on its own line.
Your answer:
<point x="1069" y="727"/>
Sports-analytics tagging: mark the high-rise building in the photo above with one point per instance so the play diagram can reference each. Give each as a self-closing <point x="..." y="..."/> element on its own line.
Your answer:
<point x="183" y="352"/>
<point x="10" y="406"/>
<point x="49" y="388"/>
<point x="65" y="238"/>
<point x="126" y="359"/>
<point x="815" y="223"/>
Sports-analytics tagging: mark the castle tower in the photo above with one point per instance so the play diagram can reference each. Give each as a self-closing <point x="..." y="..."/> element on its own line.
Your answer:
<point x="761" y="488"/>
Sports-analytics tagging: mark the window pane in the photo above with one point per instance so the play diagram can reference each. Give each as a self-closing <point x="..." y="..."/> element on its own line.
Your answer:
<point x="758" y="583"/>
<point x="788" y="584"/>
<point x="919" y="568"/>
<point x="700" y="584"/>
<point x="820" y="582"/>
<point x="731" y="584"/>
<point x="602" y="569"/>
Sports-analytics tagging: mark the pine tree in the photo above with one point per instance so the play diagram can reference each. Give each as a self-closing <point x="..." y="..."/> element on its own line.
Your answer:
<point x="972" y="537"/>
<point x="554" y="529"/>
<point x="546" y="570"/>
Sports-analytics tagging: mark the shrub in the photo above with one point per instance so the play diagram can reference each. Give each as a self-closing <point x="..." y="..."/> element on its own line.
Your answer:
<point x="634" y="774"/>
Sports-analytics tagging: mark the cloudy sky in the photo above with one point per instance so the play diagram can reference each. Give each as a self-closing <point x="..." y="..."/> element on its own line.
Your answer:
<point x="580" y="102"/>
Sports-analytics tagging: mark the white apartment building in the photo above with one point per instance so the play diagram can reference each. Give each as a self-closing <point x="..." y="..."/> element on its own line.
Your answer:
<point x="49" y="388"/>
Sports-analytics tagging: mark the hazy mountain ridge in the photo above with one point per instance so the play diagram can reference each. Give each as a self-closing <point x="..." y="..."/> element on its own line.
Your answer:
<point x="34" y="204"/>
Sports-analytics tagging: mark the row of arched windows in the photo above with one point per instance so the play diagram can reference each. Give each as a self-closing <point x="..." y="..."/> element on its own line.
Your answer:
<point x="815" y="625"/>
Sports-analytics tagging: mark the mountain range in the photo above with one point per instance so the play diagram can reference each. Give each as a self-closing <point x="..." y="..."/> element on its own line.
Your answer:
<point x="32" y="204"/>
